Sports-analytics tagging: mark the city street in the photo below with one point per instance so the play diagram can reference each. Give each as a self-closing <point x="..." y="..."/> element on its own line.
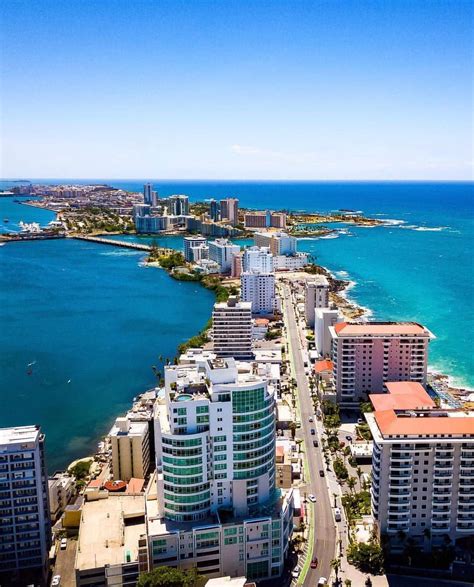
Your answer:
<point x="324" y="542"/>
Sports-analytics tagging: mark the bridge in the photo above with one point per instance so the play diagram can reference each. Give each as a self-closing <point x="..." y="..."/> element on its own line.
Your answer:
<point x="124" y="244"/>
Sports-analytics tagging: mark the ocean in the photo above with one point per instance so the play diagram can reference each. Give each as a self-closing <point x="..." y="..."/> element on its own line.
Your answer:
<point x="56" y="294"/>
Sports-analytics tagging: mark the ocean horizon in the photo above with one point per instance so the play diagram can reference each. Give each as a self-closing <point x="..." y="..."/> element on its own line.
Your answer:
<point x="418" y="267"/>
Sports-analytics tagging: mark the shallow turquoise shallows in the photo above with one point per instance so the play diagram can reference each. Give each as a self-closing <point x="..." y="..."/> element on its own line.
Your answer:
<point x="93" y="315"/>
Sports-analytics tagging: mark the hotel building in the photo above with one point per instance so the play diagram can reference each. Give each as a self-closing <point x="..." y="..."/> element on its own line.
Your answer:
<point x="257" y="259"/>
<point x="265" y="219"/>
<point x="232" y="329"/>
<point x="191" y="242"/>
<point x="368" y="354"/>
<point x="221" y="251"/>
<point x="279" y="243"/>
<point x="25" y="529"/>
<point x="422" y="467"/>
<point x="259" y="289"/>
<point x="316" y="296"/>
<point x="213" y="504"/>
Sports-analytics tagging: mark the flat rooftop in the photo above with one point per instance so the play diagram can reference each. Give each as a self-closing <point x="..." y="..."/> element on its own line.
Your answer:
<point x="402" y="395"/>
<point x="109" y="531"/>
<point x="381" y="329"/>
<point x="19" y="434"/>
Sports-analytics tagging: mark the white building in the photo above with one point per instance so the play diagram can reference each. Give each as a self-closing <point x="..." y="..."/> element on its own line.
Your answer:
<point x="316" y="296"/>
<point x="221" y="251"/>
<point x="130" y="445"/>
<point x="279" y="243"/>
<point x="422" y="467"/>
<point x="190" y="242"/>
<point x="232" y="329"/>
<point x="290" y="263"/>
<point x="24" y="504"/>
<point x="214" y="505"/>
<point x="368" y="354"/>
<point x="324" y="318"/>
<point x="259" y="289"/>
<point x="61" y="489"/>
<point x="257" y="259"/>
<point x="149" y="224"/>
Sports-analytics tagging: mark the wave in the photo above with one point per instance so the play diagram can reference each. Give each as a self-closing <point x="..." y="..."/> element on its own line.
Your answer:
<point x="122" y="253"/>
<point x="424" y="228"/>
<point x="393" y="221"/>
<point x="329" y="236"/>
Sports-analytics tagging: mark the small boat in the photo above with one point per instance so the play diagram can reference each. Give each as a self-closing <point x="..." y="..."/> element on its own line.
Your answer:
<point x="6" y="220"/>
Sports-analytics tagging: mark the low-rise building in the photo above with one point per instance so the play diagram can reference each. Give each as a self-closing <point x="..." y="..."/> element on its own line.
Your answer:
<point x="290" y="262"/>
<point x="61" y="488"/>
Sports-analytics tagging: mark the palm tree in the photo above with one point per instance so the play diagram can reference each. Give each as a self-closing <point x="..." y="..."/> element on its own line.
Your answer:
<point x="347" y="582"/>
<point x="336" y="565"/>
<point x="292" y="428"/>
<point x="335" y="498"/>
<point x="359" y="473"/>
<point x="351" y="483"/>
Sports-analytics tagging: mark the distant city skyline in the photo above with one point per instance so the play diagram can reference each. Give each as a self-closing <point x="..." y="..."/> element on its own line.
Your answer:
<point x="225" y="90"/>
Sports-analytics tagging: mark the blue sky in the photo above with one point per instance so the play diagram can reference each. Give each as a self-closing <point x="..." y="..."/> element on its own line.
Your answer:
<point x="245" y="90"/>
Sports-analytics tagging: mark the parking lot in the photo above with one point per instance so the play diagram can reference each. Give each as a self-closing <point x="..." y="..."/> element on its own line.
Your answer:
<point x="65" y="564"/>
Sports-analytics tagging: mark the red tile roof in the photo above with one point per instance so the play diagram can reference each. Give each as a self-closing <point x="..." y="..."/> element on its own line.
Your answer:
<point x="402" y="395"/>
<point x="380" y="328"/>
<point x="324" y="365"/>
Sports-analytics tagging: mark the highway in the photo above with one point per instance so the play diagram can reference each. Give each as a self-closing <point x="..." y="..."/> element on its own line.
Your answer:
<point x="324" y="528"/>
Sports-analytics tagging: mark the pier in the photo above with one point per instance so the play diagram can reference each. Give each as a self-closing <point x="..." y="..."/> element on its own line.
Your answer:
<point x="124" y="244"/>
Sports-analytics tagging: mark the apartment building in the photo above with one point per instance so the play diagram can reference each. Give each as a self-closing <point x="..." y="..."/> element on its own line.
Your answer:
<point x="279" y="243"/>
<point x="25" y="526"/>
<point x="178" y="205"/>
<point x="324" y="318"/>
<point x="257" y="259"/>
<point x="130" y="444"/>
<point x="191" y="242"/>
<point x="265" y="219"/>
<point x="221" y="251"/>
<point x="368" y="354"/>
<point x="259" y="290"/>
<point x="61" y="489"/>
<point x="423" y="467"/>
<point x="316" y="296"/>
<point x="229" y="208"/>
<point x="232" y="329"/>
<point x="214" y="504"/>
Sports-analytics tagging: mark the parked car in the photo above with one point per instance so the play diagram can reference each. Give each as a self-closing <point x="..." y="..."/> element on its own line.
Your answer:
<point x="322" y="581"/>
<point x="310" y="419"/>
<point x="321" y="472"/>
<point x="337" y="514"/>
<point x="56" y="581"/>
<point x="312" y="497"/>
<point x="295" y="573"/>
<point x="313" y="431"/>
<point x="63" y="543"/>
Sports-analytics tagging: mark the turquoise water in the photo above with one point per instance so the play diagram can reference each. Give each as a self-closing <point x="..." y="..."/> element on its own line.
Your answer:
<point x="93" y="321"/>
<point x="94" y="315"/>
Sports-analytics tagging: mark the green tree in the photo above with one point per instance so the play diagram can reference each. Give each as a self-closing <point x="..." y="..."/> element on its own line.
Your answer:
<point x="340" y="469"/>
<point x="81" y="469"/>
<point x="170" y="577"/>
<point x="368" y="557"/>
<point x="336" y="565"/>
<point x="292" y="429"/>
<point x="351" y="483"/>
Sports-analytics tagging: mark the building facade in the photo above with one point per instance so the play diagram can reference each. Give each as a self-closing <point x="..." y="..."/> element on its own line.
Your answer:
<point x="259" y="289"/>
<point x="229" y="208"/>
<point x="265" y="219"/>
<point x="232" y="329"/>
<point x="316" y="296"/>
<point x="279" y="243"/>
<point x="221" y="251"/>
<point x="25" y="526"/>
<point x="422" y="468"/>
<point x="214" y="210"/>
<point x="368" y="354"/>
<point x="257" y="259"/>
<point x="191" y="242"/>
<point x="130" y="445"/>
<point x="178" y="205"/>
<point x="324" y="318"/>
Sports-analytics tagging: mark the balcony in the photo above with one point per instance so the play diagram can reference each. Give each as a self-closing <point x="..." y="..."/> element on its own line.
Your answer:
<point x="440" y="527"/>
<point x="466" y="474"/>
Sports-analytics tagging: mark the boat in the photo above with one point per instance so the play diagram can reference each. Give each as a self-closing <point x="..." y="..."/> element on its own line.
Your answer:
<point x="6" y="220"/>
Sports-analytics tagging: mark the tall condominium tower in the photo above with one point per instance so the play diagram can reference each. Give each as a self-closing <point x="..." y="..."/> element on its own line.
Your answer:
<point x="259" y="289"/>
<point x="230" y="210"/>
<point x="25" y="531"/>
<point x="232" y="329"/>
<point x="214" y="210"/>
<point x="221" y="251"/>
<point x="257" y="259"/>
<point x="422" y="468"/>
<point x="216" y="505"/>
<point x="178" y="205"/>
<point x="316" y="296"/>
<point x="368" y="354"/>
<point x="149" y="196"/>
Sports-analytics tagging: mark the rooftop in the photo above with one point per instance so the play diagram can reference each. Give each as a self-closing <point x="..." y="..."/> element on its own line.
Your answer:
<point x="19" y="434"/>
<point x="402" y="395"/>
<point x="324" y="365"/>
<point x="381" y="329"/>
<point x="109" y="531"/>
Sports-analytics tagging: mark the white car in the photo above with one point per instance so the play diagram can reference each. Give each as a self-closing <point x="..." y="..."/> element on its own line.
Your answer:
<point x="322" y="581"/>
<point x="295" y="573"/>
<point x="56" y="581"/>
<point x="312" y="497"/>
<point x="63" y="543"/>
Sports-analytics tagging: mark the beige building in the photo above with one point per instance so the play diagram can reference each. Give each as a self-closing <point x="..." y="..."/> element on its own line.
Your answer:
<point x="368" y="354"/>
<point x="232" y="329"/>
<point x="422" y="467"/>
<point x="130" y="443"/>
<point x="316" y="296"/>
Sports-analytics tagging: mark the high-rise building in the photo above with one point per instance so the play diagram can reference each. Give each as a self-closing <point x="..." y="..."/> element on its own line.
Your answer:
<point x="148" y="194"/>
<point x="316" y="296"/>
<point x="178" y="205"/>
<point x="130" y="446"/>
<point x="257" y="259"/>
<point x="25" y="527"/>
<point x="422" y="468"/>
<point x="236" y="269"/>
<point x="279" y="243"/>
<point x="368" y="354"/>
<point x="221" y="251"/>
<point x="259" y="289"/>
<point x="324" y="318"/>
<point x="265" y="219"/>
<point x="215" y="505"/>
<point x="232" y="329"/>
<point x="191" y="242"/>
<point x="230" y="210"/>
<point x="149" y="224"/>
<point x="214" y="210"/>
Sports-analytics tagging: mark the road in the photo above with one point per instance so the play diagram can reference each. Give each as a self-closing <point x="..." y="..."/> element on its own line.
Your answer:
<point x="325" y="533"/>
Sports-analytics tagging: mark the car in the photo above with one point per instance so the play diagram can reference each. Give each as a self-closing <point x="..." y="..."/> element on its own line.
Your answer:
<point x="63" y="543"/>
<point x="314" y="563"/>
<point x="315" y="443"/>
<point x="56" y="581"/>
<point x="321" y="472"/>
<point x="310" y="419"/>
<point x="322" y="581"/>
<point x="312" y="497"/>
<point x="337" y="514"/>
<point x="313" y="431"/>
<point x="295" y="573"/>
<point x="349" y="438"/>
